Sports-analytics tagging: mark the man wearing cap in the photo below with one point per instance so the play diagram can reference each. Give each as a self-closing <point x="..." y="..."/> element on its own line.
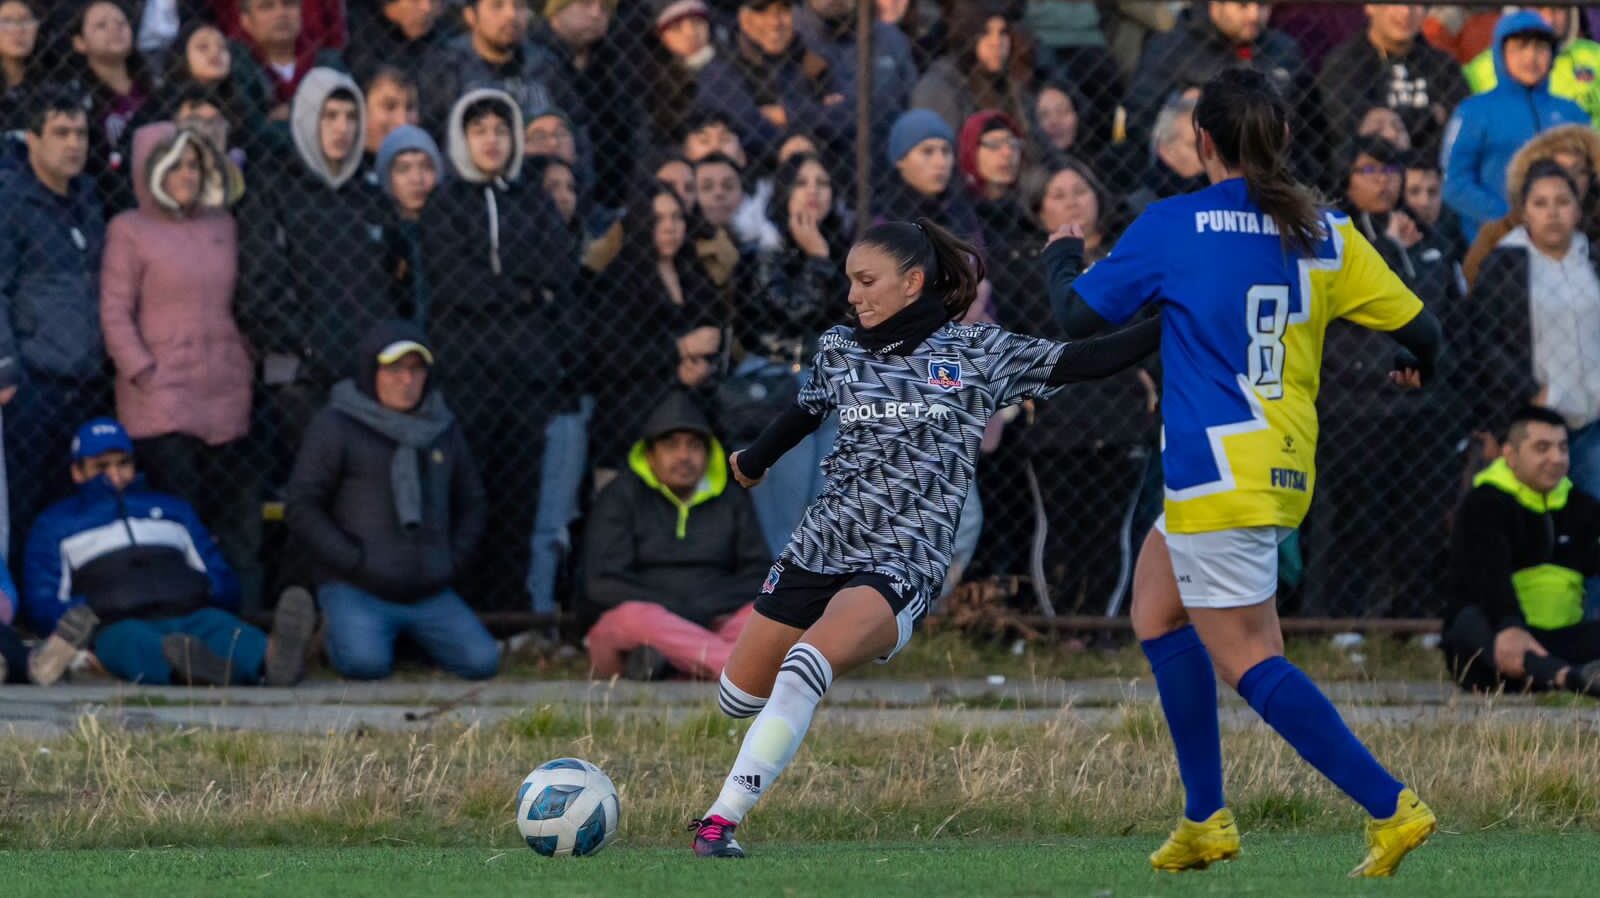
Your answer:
<point x="674" y="558"/>
<point x="387" y="500"/>
<point x="769" y="84"/>
<point x="138" y="573"/>
<point x="681" y="50"/>
<point x="1488" y="129"/>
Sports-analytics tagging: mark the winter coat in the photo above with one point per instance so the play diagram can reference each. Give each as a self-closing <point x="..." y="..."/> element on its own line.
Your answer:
<point x="1422" y="85"/>
<point x="500" y="266"/>
<point x="313" y="273"/>
<point x="1487" y="130"/>
<point x="131" y="554"/>
<point x="166" y="306"/>
<point x="743" y="78"/>
<point x="1502" y="316"/>
<point x="1572" y="73"/>
<point x="603" y="112"/>
<point x="50" y="252"/>
<point x="894" y="72"/>
<point x="341" y="500"/>
<point x="453" y="67"/>
<point x="788" y="300"/>
<point x="1575" y="139"/>
<point x="375" y="41"/>
<point x="700" y="559"/>
<point x="948" y="88"/>
<point x="1194" y="51"/>
<point x="897" y="201"/>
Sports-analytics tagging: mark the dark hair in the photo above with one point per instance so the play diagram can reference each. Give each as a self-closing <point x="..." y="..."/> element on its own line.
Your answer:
<point x="783" y="185"/>
<point x="1415" y="161"/>
<point x="392" y="74"/>
<point x="952" y="268"/>
<point x="1542" y="169"/>
<point x="701" y="118"/>
<point x="1382" y="150"/>
<point x="138" y="71"/>
<point x="1531" y="414"/>
<point x="1248" y="121"/>
<point x="1036" y="184"/>
<point x="487" y="106"/>
<point x="639" y="223"/>
<point x="52" y="99"/>
<point x="718" y="159"/>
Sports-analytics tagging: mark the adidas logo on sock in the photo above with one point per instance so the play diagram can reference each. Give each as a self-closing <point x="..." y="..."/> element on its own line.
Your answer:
<point x="751" y="782"/>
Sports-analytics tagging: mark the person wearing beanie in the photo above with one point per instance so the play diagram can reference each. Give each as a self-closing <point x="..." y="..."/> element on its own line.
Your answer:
<point x="386" y="498"/>
<point x="680" y="51"/>
<point x="769" y="84"/>
<point x="409" y="169"/>
<point x="922" y="153"/>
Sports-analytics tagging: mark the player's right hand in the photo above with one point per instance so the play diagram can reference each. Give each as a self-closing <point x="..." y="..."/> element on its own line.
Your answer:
<point x="738" y="475"/>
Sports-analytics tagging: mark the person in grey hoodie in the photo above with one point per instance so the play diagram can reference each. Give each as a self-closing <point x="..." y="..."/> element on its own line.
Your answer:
<point x="500" y="265"/>
<point x="387" y="499"/>
<point x="52" y="361"/>
<point x="312" y="252"/>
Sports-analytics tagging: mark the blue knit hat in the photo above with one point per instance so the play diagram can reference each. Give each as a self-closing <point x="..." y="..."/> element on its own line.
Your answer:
<point x="406" y="139"/>
<point x="913" y="127"/>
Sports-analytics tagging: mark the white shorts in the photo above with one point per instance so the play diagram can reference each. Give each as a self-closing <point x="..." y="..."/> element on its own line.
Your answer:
<point x="1225" y="568"/>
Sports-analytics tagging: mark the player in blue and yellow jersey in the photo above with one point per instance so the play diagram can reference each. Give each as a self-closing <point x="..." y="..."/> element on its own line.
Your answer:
<point x="1248" y="273"/>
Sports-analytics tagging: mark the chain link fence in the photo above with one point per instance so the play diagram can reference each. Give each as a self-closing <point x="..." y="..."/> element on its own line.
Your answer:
<point x="602" y="200"/>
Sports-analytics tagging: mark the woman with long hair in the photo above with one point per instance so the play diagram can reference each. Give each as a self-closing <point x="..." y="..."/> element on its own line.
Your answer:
<point x="114" y="75"/>
<point x="1241" y="357"/>
<point x="19" y="60"/>
<point x="912" y="391"/>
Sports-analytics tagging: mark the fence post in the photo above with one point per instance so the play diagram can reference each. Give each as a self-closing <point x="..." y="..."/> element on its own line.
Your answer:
<point x="865" y="11"/>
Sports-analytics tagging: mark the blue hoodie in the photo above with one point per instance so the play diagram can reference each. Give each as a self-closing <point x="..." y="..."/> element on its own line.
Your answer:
<point x="1487" y="130"/>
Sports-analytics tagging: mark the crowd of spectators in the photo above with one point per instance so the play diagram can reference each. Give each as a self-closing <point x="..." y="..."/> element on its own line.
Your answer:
<point x="470" y="295"/>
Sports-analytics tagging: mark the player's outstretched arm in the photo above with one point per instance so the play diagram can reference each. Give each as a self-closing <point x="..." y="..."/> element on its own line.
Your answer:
<point x="1104" y="356"/>
<point x="1422" y="340"/>
<point x="784" y="433"/>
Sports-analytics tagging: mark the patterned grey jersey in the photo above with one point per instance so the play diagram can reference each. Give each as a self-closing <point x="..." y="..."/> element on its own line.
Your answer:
<point x="909" y="431"/>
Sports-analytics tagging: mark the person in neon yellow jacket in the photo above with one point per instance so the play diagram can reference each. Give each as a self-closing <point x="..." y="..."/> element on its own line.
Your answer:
<point x="1575" y="75"/>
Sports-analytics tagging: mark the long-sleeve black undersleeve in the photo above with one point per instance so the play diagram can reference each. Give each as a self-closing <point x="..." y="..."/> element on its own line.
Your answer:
<point x="1063" y="261"/>
<point x="1104" y="356"/>
<point x="1423" y="339"/>
<point x="784" y="433"/>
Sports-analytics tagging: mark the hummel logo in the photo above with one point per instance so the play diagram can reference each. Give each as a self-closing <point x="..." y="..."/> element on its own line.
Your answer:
<point x="751" y="782"/>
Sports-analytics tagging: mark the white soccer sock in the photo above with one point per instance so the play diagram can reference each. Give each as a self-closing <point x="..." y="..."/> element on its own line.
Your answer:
<point x="775" y="736"/>
<point x="735" y="702"/>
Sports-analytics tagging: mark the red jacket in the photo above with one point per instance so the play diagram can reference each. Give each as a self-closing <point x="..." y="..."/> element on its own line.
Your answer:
<point x="322" y="22"/>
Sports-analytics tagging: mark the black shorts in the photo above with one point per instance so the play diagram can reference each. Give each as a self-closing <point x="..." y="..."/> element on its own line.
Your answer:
<point x="796" y="597"/>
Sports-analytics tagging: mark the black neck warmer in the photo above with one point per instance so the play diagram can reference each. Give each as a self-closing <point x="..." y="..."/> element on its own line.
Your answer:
<point x="907" y="328"/>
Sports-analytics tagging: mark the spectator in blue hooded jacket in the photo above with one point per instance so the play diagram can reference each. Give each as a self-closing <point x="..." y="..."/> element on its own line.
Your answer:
<point x="1488" y="129"/>
<point x="159" y="597"/>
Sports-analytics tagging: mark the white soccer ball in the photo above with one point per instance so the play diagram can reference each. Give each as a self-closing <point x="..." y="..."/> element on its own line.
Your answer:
<point x="567" y="807"/>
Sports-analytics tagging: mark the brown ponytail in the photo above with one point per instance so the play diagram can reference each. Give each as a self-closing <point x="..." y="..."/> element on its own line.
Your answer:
<point x="951" y="267"/>
<point x="1249" y="123"/>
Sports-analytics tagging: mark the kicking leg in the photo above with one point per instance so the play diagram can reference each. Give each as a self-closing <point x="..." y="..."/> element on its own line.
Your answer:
<point x="1188" y="689"/>
<point x="859" y="625"/>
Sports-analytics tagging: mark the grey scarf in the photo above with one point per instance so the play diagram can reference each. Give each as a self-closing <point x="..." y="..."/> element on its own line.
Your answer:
<point x="414" y="431"/>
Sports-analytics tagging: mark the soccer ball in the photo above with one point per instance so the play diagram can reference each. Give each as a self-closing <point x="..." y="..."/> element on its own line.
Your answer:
<point x="567" y="807"/>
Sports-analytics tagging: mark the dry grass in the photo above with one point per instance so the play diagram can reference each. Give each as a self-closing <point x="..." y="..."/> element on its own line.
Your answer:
<point x="453" y="786"/>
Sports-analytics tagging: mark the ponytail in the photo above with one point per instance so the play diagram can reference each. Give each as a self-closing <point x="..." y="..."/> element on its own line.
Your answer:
<point x="951" y="267"/>
<point x="1248" y="121"/>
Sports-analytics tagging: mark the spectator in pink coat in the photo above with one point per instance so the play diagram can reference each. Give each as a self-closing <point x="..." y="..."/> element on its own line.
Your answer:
<point x="166" y="306"/>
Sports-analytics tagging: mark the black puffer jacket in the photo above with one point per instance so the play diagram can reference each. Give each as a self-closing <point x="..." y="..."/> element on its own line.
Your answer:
<point x="342" y="503"/>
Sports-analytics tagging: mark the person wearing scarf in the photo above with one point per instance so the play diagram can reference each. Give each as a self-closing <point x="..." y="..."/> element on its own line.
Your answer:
<point x="387" y="499"/>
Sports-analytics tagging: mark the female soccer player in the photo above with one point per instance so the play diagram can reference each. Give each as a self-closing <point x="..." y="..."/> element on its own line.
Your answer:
<point x="913" y="392"/>
<point x="1248" y="272"/>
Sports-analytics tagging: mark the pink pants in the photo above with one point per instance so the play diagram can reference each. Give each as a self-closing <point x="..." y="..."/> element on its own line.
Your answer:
<point x="687" y="646"/>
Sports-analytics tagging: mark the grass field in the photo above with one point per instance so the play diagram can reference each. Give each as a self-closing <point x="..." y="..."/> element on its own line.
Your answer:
<point x="1282" y="866"/>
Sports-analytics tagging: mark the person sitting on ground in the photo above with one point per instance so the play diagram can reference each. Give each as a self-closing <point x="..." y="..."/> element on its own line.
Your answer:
<point x="1525" y="538"/>
<point x="675" y="557"/>
<point x="135" y="570"/>
<point x="385" y="496"/>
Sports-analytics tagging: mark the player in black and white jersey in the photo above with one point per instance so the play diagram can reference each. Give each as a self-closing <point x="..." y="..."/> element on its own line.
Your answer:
<point x="913" y="392"/>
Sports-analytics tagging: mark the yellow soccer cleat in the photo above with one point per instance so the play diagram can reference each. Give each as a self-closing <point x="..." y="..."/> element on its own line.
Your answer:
<point x="1391" y="839"/>
<point x="1196" y="846"/>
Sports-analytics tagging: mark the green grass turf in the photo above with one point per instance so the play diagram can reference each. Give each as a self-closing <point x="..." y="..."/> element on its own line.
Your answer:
<point x="1457" y="866"/>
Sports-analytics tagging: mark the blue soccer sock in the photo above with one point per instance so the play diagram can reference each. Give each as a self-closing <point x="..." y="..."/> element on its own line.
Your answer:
<point x="1188" y="688"/>
<point x="1293" y="705"/>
